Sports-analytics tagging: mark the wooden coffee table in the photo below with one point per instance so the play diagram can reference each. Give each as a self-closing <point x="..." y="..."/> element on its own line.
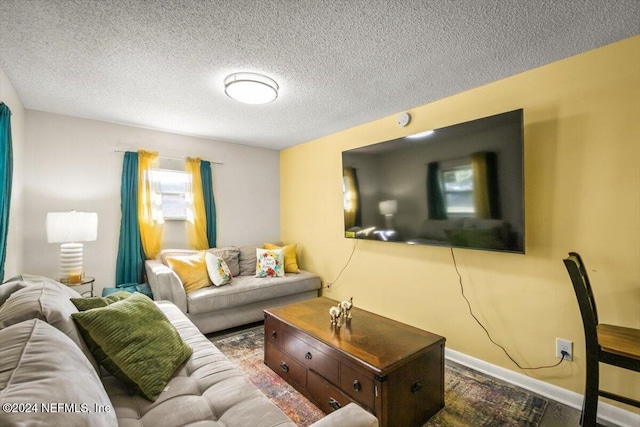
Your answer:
<point x="393" y="370"/>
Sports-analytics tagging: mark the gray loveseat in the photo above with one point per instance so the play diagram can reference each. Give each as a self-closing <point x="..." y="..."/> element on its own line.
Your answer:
<point x="216" y="308"/>
<point x="49" y="377"/>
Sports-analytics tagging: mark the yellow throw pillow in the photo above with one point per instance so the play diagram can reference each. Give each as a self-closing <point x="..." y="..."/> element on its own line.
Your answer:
<point x="290" y="259"/>
<point x="191" y="269"/>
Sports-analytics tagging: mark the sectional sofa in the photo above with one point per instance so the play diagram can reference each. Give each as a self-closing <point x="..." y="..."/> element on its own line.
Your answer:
<point x="49" y="375"/>
<point x="216" y="308"/>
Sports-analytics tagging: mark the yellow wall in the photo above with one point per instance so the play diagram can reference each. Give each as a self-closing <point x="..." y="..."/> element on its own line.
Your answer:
<point x="582" y="173"/>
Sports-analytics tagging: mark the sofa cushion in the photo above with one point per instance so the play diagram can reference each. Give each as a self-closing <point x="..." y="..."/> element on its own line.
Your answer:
<point x="230" y="255"/>
<point x="32" y="374"/>
<point x="163" y="254"/>
<point x="218" y="270"/>
<point x="18" y="282"/>
<point x="434" y="229"/>
<point x="83" y="304"/>
<point x="248" y="258"/>
<point x="487" y="238"/>
<point x="48" y="301"/>
<point x="134" y="341"/>
<point x="249" y="289"/>
<point x="270" y="262"/>
<point x="191" y="269"/>
<point x="290" y="256"/>
<point x="207" y="390"/>
<point x="503" y="227"/>
<point x="6" y="289"/>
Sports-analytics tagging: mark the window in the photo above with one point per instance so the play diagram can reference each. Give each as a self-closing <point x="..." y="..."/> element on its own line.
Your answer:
<point x="458" y="190"/>
<point x="174" y="188"/>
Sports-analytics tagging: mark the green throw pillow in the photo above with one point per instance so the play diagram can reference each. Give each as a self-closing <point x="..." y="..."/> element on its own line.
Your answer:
<point x="486" y="238"/>
<point x="457" y="237"/>
<point x="135" y="341"/>
<point x="83" y="304"/>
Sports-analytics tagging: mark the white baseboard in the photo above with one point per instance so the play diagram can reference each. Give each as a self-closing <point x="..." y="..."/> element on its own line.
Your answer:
<point x="606" y="412"/>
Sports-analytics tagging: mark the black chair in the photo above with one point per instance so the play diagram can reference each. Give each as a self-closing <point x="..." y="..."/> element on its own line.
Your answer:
<point x="614" y="345"/>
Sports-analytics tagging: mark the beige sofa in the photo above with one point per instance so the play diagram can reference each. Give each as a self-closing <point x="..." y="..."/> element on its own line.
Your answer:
<point x="241" y="302"/>
<point x="48" y="376"/>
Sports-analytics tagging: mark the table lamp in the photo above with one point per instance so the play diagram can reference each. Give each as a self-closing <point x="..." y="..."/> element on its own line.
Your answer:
<point x="69" y="229"/>
<point x="388" y="208"/>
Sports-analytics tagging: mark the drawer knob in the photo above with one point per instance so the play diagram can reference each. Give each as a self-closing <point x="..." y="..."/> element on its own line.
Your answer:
<point x="284" y="366"/>
<point x="416" y="387"/>
<point x="274" y="334"/>
<point x="308" y="356"/>
<point x="356" y="385"/>
<point x="335" y="405"/>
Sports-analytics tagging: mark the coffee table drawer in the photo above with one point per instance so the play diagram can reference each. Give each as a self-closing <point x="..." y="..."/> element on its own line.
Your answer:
<point x="285" y="366"/>
<point x="273" y="332"/>
<point x="358" y="386"/>
<point x="327" y="397"/>
<point x="313" y="358"/>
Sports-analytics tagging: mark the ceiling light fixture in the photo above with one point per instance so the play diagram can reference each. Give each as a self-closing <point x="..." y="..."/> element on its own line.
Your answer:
<point x="251" y="88"/>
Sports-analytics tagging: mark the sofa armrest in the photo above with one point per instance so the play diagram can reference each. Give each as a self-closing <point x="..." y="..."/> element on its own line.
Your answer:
<point x="165" y="284"/>
<point x="351" y="415"/>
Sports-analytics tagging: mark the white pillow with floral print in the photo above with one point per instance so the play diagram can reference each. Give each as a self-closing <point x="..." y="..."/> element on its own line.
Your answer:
<point x="270" y="262"/>
<point x="217" y="269"/>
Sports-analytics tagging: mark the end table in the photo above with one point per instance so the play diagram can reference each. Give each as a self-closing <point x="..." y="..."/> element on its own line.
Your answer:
<point x="87" y="280"/>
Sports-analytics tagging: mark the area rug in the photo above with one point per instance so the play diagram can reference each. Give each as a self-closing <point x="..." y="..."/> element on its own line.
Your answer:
<point x="471" y="398"/>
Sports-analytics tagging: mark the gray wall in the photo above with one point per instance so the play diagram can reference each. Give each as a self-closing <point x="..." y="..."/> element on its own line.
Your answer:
<point x="72" y="165"/>
<point x="13" y="262"/>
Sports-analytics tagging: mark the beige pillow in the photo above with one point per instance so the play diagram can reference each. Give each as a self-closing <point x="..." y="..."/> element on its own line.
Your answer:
<point x="49" y="302"/>
<point x="248" y="260"/>
<point x="40" y="365"/>
<point x="191" y="269"/>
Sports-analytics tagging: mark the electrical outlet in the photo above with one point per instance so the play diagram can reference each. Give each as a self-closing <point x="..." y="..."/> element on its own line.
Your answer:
<point x="564" y="345"/>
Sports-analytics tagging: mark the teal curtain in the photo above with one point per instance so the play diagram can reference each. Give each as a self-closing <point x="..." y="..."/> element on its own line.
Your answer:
<point x="6" y="177"/>
<point x="435" y="198"/>
<point x="130" y="262"/>
<point x="209" y="201"/>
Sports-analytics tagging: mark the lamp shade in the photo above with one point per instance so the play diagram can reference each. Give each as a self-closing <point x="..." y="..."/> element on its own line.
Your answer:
<point x="388" y="207"/>
<point x="65" y="227"/>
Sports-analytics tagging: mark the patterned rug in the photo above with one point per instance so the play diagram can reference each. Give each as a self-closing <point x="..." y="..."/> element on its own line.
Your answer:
<point x="471" y="398"/>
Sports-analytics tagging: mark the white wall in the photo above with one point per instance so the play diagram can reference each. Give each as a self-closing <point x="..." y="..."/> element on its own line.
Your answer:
<point x="13" y="261"/>
<point x="72" y="165"/>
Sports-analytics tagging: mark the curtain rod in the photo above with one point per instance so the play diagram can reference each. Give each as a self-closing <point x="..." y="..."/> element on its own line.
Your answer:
<point x="170" y="158"/>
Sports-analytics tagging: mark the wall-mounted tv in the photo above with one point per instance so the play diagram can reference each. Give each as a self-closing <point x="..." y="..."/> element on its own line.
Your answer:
<point x="458" y="186"/>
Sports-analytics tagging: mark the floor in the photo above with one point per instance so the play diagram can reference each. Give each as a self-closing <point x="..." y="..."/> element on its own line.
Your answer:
<point x="559" y="415"/>
<point x="556" y="415"/>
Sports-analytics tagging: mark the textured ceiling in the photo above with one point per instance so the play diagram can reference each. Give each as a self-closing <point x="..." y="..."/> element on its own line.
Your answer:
<point x="161" y="64"/>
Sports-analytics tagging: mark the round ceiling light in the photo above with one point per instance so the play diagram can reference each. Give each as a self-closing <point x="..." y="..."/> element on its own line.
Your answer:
<point x="251" y="88"/>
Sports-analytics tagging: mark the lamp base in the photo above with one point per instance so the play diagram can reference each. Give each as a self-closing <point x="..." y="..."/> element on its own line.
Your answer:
<point x="72" y="279"/>
<point x="71" y="263"/>
<point x="388" y="221"/>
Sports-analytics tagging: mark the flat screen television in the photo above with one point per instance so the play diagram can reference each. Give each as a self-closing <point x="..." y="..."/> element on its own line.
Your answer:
<point x="458" y="186"/>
